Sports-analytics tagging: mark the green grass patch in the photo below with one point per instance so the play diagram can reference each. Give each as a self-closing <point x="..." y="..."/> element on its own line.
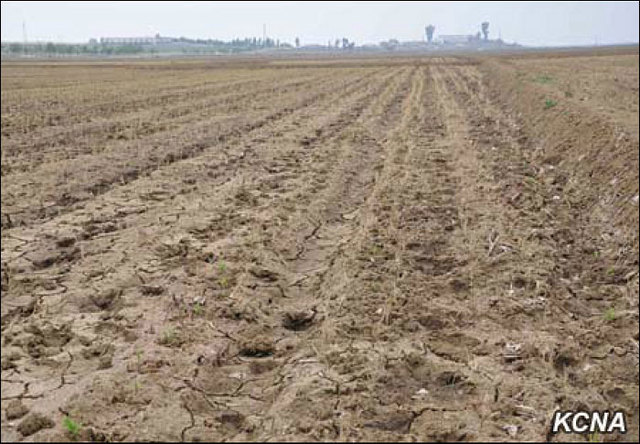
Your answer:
<point x="610" y="315"/>
<point x="544" y="79"/>
<point x="71" y="426"/>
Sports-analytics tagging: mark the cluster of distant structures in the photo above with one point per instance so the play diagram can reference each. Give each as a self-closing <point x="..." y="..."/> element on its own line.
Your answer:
<point x="479" y="38"/>
<point x="161" y="45"/>
<point x="479" y="41"/>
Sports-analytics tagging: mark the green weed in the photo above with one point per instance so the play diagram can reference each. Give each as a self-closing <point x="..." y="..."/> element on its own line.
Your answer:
<point x="610" y="315"/>
<point x="169" y="338"/>
<point x="72" y="427"/>
<point x="543" y="79"/>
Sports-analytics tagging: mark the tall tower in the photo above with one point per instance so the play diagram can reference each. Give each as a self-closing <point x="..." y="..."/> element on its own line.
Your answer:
<point x="429" y="30"/>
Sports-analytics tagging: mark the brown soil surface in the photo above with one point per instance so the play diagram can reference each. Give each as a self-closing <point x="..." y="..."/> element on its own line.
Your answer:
<point x="404" y="249"/>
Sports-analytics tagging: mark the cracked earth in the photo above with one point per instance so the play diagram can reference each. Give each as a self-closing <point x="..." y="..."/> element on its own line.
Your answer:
<point x="380" y="249"/>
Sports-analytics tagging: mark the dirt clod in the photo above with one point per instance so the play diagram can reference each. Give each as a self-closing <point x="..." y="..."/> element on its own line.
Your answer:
<point x="257" y="347"/>
<point x="298" y="320"/>
<point x="34" y="423"/>
<point x="15" y="409"/>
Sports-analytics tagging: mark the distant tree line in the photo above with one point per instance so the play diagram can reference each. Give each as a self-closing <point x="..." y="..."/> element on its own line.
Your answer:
<point x="179" y="45"/>
<point x="68" y="49"/>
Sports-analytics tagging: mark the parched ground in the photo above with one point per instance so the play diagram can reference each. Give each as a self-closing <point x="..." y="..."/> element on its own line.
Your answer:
<point x="385" y="249"/>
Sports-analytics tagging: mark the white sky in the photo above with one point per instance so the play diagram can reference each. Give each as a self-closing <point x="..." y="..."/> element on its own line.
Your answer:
<point x="529" y="23"/>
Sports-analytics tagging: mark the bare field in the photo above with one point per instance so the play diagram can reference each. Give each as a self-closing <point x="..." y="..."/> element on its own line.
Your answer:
<point x="382" y="249"/>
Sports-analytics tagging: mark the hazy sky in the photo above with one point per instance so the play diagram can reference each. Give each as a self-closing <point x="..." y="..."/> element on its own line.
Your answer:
<point x="530" y="23"/>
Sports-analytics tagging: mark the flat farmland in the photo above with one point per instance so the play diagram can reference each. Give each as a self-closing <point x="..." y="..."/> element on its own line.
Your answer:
<point x="419" y="248"/>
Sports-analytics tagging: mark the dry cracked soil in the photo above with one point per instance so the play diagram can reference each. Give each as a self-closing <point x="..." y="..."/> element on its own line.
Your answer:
<point x="433" y="249"/>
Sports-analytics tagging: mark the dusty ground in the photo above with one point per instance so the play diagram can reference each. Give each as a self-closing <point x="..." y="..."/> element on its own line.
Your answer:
<point x="412" y="249"/>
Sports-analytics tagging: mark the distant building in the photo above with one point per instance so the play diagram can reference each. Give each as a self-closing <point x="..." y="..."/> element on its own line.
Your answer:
<point x="313" y="47"/>
<point x="127" y="40"/>
<point x="157" y="39"/>
<point x="456" y="39"/>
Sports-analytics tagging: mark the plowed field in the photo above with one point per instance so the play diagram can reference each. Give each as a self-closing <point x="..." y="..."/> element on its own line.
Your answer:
<point x="377" y="249"/>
